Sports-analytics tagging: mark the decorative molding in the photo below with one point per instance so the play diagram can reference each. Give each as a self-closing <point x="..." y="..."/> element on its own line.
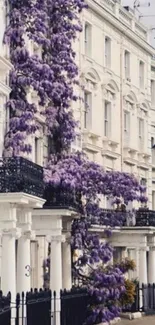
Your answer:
<point x="14" y="232"/>
<point x="21" y="199"/>
<point x="144" y="249"/>
<point x="152" y="248"/>
<point x="56" y="238"/>
<point x="110" y="154"/>
<point x="29" y="234"/>
<point x="5" y="65"/>
<point x="102" y="11"/>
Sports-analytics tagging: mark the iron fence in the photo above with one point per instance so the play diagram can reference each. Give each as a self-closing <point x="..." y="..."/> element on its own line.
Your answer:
<point x="5" y="309"/>
<point x="74" y="304"/>
<point x="148" y="298"/>
<point x="40" y="307"/>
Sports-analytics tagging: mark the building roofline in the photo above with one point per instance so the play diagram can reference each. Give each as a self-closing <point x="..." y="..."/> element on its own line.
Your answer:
<point x="120" y="25"/>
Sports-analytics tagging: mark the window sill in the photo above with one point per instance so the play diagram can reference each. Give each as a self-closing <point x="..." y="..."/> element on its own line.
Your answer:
<point x="110" y="142"/>
<point x="142" y="91"/>
<point x="128" y="81"/>
<point x="108" y="70"/>
<point x="88" y="58"/>
<point x="91" y="134"/>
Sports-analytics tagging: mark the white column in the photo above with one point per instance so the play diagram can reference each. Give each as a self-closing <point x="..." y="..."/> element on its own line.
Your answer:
<point x="24" y="262"/>
<point x="56" y="273"/>
<point x="143" y="265"/>
<point x="66" y="265"/>
<point x="24" y="218"/>
<point x="8" y="280"/>
<point x="56" y="262"/>
<point x="151" y="265"/>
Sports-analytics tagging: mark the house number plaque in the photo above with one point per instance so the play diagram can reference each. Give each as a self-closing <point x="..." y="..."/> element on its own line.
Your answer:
<point x="28" y="270"/>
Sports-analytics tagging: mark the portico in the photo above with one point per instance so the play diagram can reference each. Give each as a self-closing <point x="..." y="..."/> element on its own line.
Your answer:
<point x="140" y="246"/>
<point x="16" y="233"/>
<point x="54" y="225"/>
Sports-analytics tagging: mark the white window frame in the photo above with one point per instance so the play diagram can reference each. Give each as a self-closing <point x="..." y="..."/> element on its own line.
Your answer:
<point x="141" y="74"/>
<point x="127" y="65"/>
<point x="88" y="39"/>
<point x="87" y="110"/>
<point x="140" y="127"/>
<point x="107" y="118"/>
<point x="107" y="52"/>
<point x="141" y="132"/>
<point x="143" y="181"/>
<point x="126" y="122"/>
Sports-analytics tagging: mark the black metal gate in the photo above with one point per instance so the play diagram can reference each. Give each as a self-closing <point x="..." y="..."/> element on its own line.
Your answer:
<point x="148" y="298"/>
<point x="43" y="307"/>
<point x="5" y="309"/>
<point x="38" y="307"/>
<point x="74" y="305"/>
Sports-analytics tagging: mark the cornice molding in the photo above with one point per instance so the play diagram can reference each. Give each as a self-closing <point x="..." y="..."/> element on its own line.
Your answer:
<point x="113" y="20"/>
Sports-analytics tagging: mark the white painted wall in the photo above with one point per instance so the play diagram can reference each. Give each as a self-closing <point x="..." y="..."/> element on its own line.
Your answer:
<point x="116" y="151"/>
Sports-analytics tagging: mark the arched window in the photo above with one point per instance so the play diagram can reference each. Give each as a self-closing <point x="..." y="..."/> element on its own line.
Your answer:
<point x="91" y="80"/>
<point x="110" y="89"/>
<point x="130" y="101"/>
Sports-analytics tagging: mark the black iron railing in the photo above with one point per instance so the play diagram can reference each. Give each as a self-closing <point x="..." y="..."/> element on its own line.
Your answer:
<point x="58" y="198"/>
<point x="109" y="217"/>
<point x="145" y="218"/>
<point x="5" y="309"/>
<point x="74" y="306"/>
<point x="18" y="174"/>
<point x="40" y="307"/>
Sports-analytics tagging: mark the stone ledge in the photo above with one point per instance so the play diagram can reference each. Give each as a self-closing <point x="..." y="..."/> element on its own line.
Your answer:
<point x="131" y="315"/>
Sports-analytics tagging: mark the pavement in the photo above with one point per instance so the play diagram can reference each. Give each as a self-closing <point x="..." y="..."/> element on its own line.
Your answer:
<point x="145" y="320"/>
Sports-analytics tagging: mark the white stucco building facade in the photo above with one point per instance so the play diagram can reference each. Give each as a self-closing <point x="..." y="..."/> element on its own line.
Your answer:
<point x="114" y="60"/>
<point x="117" y="128"/>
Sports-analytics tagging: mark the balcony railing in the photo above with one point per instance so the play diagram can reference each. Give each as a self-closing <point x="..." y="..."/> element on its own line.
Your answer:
<point x="62" y="199"/>
<point x="140" y="218"/>
<point x="145" y="218"/>
<point x="18" y="174"/>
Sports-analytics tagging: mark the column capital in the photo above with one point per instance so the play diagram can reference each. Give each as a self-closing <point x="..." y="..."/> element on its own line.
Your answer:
<point x="29" y="234"/>
<point x="152" y="248"/>
<point x="55" y="238"/>
<point x="68" y="238"/>
<point x="14" y="232"/>
<point x="144" y="249"/>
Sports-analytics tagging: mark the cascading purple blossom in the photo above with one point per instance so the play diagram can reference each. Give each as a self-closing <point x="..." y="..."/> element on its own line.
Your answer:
<point x="52" y="74"/>
<point x="76" y="172"/>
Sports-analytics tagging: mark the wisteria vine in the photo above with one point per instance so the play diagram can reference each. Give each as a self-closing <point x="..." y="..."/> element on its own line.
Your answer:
<point x="52" y="74"/>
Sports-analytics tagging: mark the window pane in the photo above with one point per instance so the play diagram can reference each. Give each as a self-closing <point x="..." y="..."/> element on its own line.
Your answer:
<point x="107" y="118"/>
<point x="141" y="74"/>
<point x="87" y="110"/>
<point x="36" y="150"/>
<point x="107" y="52"/>
<point x="88" y="39"/>
<point x="127" y="64"/>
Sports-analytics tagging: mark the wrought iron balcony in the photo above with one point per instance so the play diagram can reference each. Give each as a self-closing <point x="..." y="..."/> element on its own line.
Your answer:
<point x="61" y="199"/>
<point x="145" y="218"/>
<point x="18" y="174"/>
